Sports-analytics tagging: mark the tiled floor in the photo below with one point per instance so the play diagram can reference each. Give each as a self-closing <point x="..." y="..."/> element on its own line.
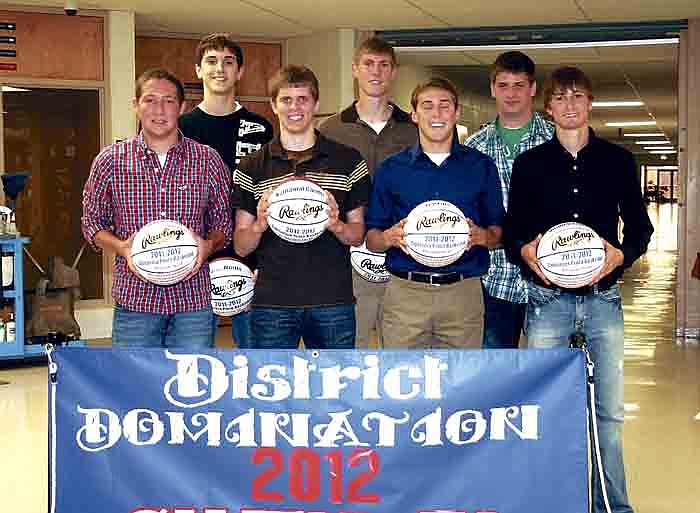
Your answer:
<point x="662" y="387"/>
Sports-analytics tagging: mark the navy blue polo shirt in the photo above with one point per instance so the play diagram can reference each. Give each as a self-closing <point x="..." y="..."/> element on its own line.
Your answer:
<point x="467" y="179"/>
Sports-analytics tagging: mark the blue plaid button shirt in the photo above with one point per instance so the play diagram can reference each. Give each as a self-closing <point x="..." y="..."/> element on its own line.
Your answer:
<point x="503" y="279"/>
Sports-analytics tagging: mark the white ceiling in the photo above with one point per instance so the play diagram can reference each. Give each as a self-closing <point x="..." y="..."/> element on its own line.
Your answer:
<point x="647" y="73"/>
<point x="618" y="73"/>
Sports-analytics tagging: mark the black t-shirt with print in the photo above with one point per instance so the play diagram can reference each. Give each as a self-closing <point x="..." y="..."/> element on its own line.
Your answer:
<point x="233" y="136"/>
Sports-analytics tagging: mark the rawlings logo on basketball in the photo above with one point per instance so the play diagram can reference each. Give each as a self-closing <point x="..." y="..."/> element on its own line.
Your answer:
<point x="306" y="212"/>
<point x="373" y="267"/>
<point x="436" y="233"/>
<point x="166" y="235"/>
<point x="440" y="221"/>
<point x="228" y="289"/>
<point x="164" y="252"/>
<point x="575" y="239"/>
<point x="298" y="211"/>
<point x="570" y="255"/>
<point x="232" y="286"/>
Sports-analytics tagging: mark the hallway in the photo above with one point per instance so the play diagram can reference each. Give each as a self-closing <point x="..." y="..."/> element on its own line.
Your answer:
<point x="662" y="392"/>
<point x="662" y="382"/>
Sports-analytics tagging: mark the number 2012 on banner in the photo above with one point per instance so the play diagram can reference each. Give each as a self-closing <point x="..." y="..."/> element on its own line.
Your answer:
<point x="304" y="482"/>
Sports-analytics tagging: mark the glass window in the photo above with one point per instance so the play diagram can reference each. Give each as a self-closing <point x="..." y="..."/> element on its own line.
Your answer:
<point x="54" y="134"/>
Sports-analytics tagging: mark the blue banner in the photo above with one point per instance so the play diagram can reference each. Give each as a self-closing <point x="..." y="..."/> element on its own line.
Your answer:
<point x="157" y="431"/>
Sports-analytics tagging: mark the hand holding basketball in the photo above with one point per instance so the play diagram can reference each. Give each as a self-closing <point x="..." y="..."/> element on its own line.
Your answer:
<point x="204" y="249"/>
<point x="394" y="236"/>
<point x="529" y="254"/>
<point x="335" y="225"/>
<point x="260" y="223"/>
<point x="125" y="251"/>
<point x="614" y="258"/>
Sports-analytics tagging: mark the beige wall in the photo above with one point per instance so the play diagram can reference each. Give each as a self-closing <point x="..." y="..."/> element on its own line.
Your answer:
<point x="95" y="317"/>
<point x="687" y="289"/>
<point x="408" y="77"/>
<point x="477" y="108"/>
<point x="329" y="55"/>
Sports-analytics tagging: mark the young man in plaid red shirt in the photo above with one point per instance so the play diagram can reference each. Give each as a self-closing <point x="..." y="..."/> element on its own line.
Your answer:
<point x="159" y="174"/>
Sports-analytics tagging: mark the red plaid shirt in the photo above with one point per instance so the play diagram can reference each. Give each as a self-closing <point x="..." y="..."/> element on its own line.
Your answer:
<point x="127" y="189"/>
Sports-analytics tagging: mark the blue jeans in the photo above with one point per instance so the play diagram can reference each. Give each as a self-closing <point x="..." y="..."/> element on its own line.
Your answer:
<point x="240" y="330"/>
<point x="552" y="316"/>
<point x="181" y="330"/>
<point x="322" y="327"/>
<point x="503" y="322"/>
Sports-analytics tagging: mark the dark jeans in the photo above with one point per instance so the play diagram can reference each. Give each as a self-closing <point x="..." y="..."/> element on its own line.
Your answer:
<point x="188" y="330"/>
<point x="322" y="327"/>
<point x="240" y="330"/>
<point x="503" y="322"/>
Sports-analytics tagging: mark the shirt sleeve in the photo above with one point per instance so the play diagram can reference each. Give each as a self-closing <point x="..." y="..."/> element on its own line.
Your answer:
<point x="243" y="191"/>
<point x="493" y="204"/>
<point x="98" y="212"/>
<point x="218" y="214"/>
<point x="380" y="206"/>
<point x="515" y="228"/>
<point x="637" y="229"/>
<point x="360" y="184"/>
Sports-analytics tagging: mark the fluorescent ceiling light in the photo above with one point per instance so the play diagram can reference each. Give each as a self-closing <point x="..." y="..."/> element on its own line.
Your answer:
<point x="10" y="89"/>
<point x="618" y="104"/>
<point x="539" y="46"/>
<point x="659" y="148"/>
<point x="662" y="152"/>
<point x="648" y="134"/>
<point x="652" y="142"/>
<point x="668" y="168"/>
<point x="630" y="123"/>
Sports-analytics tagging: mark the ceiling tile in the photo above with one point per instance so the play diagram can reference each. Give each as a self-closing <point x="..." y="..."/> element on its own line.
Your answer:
<point x="639" y="10"/>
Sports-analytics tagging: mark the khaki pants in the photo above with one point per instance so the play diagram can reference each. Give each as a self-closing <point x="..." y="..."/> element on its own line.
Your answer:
<point x="419" y="315"/>
<point x="368" y="310"/>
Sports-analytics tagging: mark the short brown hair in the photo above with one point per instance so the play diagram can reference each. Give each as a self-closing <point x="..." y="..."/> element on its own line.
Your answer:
<point x="375" y="45"/>
<point x="219" y="41"/>
<point x="293" y="76"/>
<point x="565" y="78"/>
<point x="513" y="62"/>
<point x="435" y="83"/>
<point x="159" y="74"/>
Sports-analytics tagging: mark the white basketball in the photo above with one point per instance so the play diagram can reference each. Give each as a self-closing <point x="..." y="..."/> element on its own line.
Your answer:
<point x="570" y="255"/>
<point x="369" y="265"/>
<point x="436" y="233"/>
<point x="164" y="252"/>
<point x="232" y="286"/>
<point x="298" y="211"/>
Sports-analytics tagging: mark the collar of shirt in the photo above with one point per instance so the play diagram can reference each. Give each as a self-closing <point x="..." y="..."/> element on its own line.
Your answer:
<point x="416" y="151"/>
<point x="144" y="149"/>
<point x="320" y="148"/>
<point x="590" y="145"/>
<point x="540" y="130"/>
<point x="350" y="114"/>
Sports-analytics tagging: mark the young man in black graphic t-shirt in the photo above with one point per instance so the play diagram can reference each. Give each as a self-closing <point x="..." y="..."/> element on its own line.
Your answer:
<point x="224" y="124"/>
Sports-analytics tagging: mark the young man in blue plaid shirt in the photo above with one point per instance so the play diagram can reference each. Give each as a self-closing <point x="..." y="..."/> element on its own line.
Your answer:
<point x="516" y="129"/>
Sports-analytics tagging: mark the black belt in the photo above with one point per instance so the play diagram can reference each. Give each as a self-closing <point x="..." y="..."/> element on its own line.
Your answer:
<point x="580" y="291"/>
<point x="430" y="278"/>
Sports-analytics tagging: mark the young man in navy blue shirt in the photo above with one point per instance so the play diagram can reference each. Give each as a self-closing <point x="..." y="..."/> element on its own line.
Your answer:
<point x="429" y="306"/>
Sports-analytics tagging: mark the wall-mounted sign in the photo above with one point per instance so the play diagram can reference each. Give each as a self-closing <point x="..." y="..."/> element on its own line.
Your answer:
<point x="8" y="40"/>
<point x="8" y="66"/>
<point x="8" y="53"/>
<point x="6" y="25"/>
